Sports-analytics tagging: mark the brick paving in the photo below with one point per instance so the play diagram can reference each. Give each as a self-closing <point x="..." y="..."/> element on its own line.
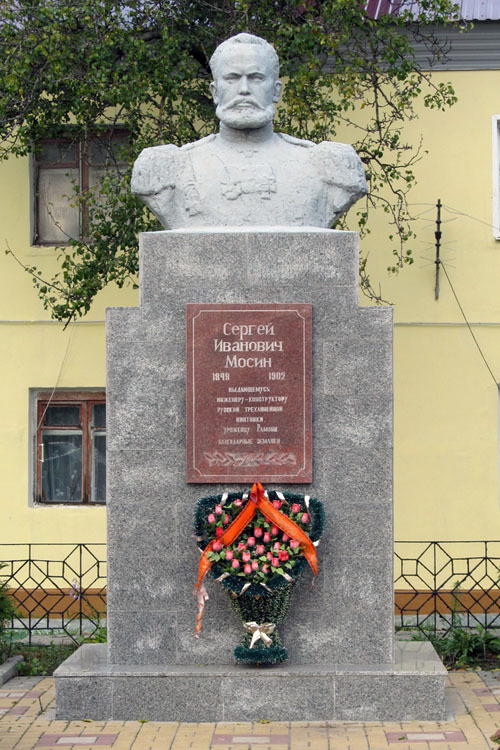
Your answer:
<point x="27" y="723"/>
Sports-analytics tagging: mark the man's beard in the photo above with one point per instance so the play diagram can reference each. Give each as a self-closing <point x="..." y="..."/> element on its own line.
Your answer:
<point x="249" y="117"/>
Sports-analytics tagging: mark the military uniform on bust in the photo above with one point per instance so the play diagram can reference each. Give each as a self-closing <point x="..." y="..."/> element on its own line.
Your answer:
<point x="247" y="175"/>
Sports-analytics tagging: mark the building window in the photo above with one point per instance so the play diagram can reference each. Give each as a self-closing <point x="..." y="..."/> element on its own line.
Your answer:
<point x="496" y="176"/>
<point x="71" y="447"/>
<point x="61" y="167"/>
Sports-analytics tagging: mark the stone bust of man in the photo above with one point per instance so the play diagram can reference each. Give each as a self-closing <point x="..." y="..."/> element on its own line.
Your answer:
<point x="247" y="174"/>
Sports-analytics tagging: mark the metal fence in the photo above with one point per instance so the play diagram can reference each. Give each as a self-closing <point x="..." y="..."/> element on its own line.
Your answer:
<point x="440" y="585"/>
<point x="56" y="588"/>
<point x="61" y="588"/>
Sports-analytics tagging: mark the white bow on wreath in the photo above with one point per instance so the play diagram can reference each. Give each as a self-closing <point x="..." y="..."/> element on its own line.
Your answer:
<point x="260" y="632"/>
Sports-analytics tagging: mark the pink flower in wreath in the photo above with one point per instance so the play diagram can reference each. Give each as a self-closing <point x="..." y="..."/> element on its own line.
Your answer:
<point x="266" y="537"/>
<point x="285" y="538"/>
<point x="274" y="530"/>
<point x="257" y="532"/>
<point x="277" y="504"/>
<point x="238" y="502"/>
<point x="275" y="562"/>
<point x="296" y="508"/>
<point x="260" y="549"/>
<point x="241" y="545"/>
<point x="276" y="545"/>
<point x="226" y="518"/>
<point x="304" y="518"/>
<point x="265" y="568"/>
<point x="269" y="556"/>
<point x="255" y="565"/>
<point x="245" y="556"/>
<point x="218" y="510"/>
<point x="219" y="531"/>
<point x="247" y="568"/>
<point x="294" y="544"/>
<point x="217" y="546"/>
<point x="251" y="541"/>
<point x="211" y="518"/>
<point x="235" y="564"/>
<point x="229" y="554"/>
<point x="283" y="555"/>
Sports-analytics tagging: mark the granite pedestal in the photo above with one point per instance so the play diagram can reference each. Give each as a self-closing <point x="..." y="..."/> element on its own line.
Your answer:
<point x="410" y="687"/>
<point x="339" y="633"/>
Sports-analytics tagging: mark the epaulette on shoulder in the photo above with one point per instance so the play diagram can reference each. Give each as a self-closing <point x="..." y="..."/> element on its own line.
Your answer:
<point x="296" y="141"/>
<point x="196" y="144"/>
<point x="335" y="146"/>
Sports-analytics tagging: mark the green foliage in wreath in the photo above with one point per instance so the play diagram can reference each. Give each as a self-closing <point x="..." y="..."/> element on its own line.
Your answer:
<point x="274" y="579"/>
<point x="268" y="563"/>
<point x="269" y="606"/>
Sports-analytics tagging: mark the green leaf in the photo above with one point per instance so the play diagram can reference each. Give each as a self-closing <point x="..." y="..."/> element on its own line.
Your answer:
<point x="67" y="73"/>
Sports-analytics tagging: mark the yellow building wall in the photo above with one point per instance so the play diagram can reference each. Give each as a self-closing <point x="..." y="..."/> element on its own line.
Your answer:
<point x="446" y="402"/>
<point x="39" y="353"/>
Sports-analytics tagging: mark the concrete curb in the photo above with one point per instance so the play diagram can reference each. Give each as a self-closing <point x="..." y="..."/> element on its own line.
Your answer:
<point x="8" y="669"/>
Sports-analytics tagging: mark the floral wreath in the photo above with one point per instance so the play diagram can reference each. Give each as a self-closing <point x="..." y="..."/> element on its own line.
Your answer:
<point x="255" y="543"/>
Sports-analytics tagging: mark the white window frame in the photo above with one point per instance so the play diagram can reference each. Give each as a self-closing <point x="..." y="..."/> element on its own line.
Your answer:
<point x="495" y="141"/>
<point x="498" y="444"/>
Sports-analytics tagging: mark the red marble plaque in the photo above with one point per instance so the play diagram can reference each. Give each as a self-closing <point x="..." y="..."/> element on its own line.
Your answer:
<point x="249" y="393"/>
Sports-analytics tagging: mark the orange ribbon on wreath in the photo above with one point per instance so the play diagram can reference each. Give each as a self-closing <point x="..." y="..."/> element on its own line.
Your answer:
<point x="257" y="500"/>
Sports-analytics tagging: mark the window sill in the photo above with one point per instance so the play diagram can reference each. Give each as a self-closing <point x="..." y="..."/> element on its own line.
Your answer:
<point x="38" y="504"/>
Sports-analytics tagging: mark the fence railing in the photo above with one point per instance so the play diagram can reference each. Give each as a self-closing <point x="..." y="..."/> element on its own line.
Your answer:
<point x="440" y="585"/>
<point x="61" y="588"/>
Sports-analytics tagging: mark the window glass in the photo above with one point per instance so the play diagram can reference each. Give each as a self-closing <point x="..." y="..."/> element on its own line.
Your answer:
<point x="55" y="152"/>
<point x="58" y="219"/>
<point x="96" y="174"/>
<point x="62" y="466"/>
<point x="99" y="453"/>
<point x="105" y="152"/>
<point x="62" y="415"/>
<point x="99" y="468"/>
<point x="99" y="416"/>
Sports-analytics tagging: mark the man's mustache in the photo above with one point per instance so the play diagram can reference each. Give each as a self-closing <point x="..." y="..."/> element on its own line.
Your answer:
<point x="246" y="102"/>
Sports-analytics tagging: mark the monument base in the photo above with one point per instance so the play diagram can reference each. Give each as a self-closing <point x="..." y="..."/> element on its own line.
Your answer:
<point x="87" y="686"/>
